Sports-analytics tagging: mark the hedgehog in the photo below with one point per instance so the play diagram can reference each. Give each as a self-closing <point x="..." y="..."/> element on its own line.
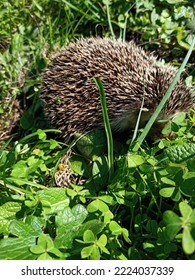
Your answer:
<point x="129" y="75"/>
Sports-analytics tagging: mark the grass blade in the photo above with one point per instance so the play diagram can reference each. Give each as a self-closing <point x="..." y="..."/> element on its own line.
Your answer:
<point x="107" y="127"/>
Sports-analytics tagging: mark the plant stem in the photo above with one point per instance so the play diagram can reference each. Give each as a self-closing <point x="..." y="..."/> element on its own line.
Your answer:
<point x="107" y="127"/>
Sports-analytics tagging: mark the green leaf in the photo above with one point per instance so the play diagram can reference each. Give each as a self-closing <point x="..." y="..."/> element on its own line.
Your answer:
<point x="37" y="249"/>
<point x="192" y="218"/>
<point x="53" y="199"/>
<point x="188" y="184"/>
<point x="21" y="182"/>
<point x="56" y="252"/>
<point x="125" y="234"/>
<point x="45" y="256"/>
<point x="44" y="246"/>
<point x="168" y="181"/>
<point x="17" y="248"/>
<point x="115" y="228"/>
<point x="89" y="236"/>
<point x="185" y="210"/>
<point x="134" y="160"/>
<point x="68" y="224"/>
<point x="166" y="192"/>
<point x="97" y="205"/>
<point x="108" y="215"/>
<point x="41" y="134"/>
<point x="86" y="252"/>
<point x="9" y="209"/>
<point x="188" y="242"/>
<point x="20" y="170"/>
<point x="179" y="118"/>
<point x="102" y="241"/>
<point x="68" y="218"/>
<point x="173" y="222"/>
<point x="45" y="242"/>
<point x="80" y="166"/>
<point x="7" y="213"/>
<point x="93" y="144"/>
<point x="91" y="252"/>
<point x="20" y="229"/>
<point x="95" y="226"/>
<point x="100" y="170"/>
<point x="180" y="153"/>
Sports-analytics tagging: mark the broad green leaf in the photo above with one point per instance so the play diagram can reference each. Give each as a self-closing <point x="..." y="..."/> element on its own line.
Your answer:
<point x="86" y="252"/>
<point x="53" y="199"/>
<point x="37" y="249"/>
<point x="37" y="223"/>
<point x="102" y="241"/>
<point x="115" y="228"/>
<point x="96" y="205"/>
<point x="56" y="252"/>
<point x="125" y="234"/>
<point x="41" y="134"/>
<point x="9" y="209"/>
<point x="95" y="253"/>
<point x="34" y="164"/>
<point x="7" y="213"/>
<point x="176" y="196"/>
<point x="45" y="242"/>
<point x="166" y="192"/>
<point x="180" y="153"/>
<point x="20" y="170"/>
<point x="185" y="210"/>
<point x="92" y="144"/>
<point x="45" y="245"/>
<point x="188" y="184"/>
<point x="192" y="218"/>
<point x="108" y="215"/>
<point x="89" y="236"/>
<point x="68" y="224"/>
<point x="179" y="118"/>
<point x="17" y="248"/>
<point x="134" y="160"/>
<point x="80" y="165"/>
<point x="173" y="222"/>
<point x="95" y="226"/>
<point x="20" y="229"/>
<point x="107" y="198"/>
<point x="69" y="218"/>
<point x="167" y="181"/>
<point x="44" y="256"/>
<point x="188" y="242"/>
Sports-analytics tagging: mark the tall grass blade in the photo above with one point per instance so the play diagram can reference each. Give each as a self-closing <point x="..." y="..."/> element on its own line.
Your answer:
<point x="107" y="127"/>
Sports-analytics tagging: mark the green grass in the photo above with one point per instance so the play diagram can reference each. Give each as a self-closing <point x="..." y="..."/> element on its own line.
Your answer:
<point x="130" y="203"/>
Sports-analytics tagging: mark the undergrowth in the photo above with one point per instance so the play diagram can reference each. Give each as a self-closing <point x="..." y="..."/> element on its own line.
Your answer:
<point x="144" y="207"/>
